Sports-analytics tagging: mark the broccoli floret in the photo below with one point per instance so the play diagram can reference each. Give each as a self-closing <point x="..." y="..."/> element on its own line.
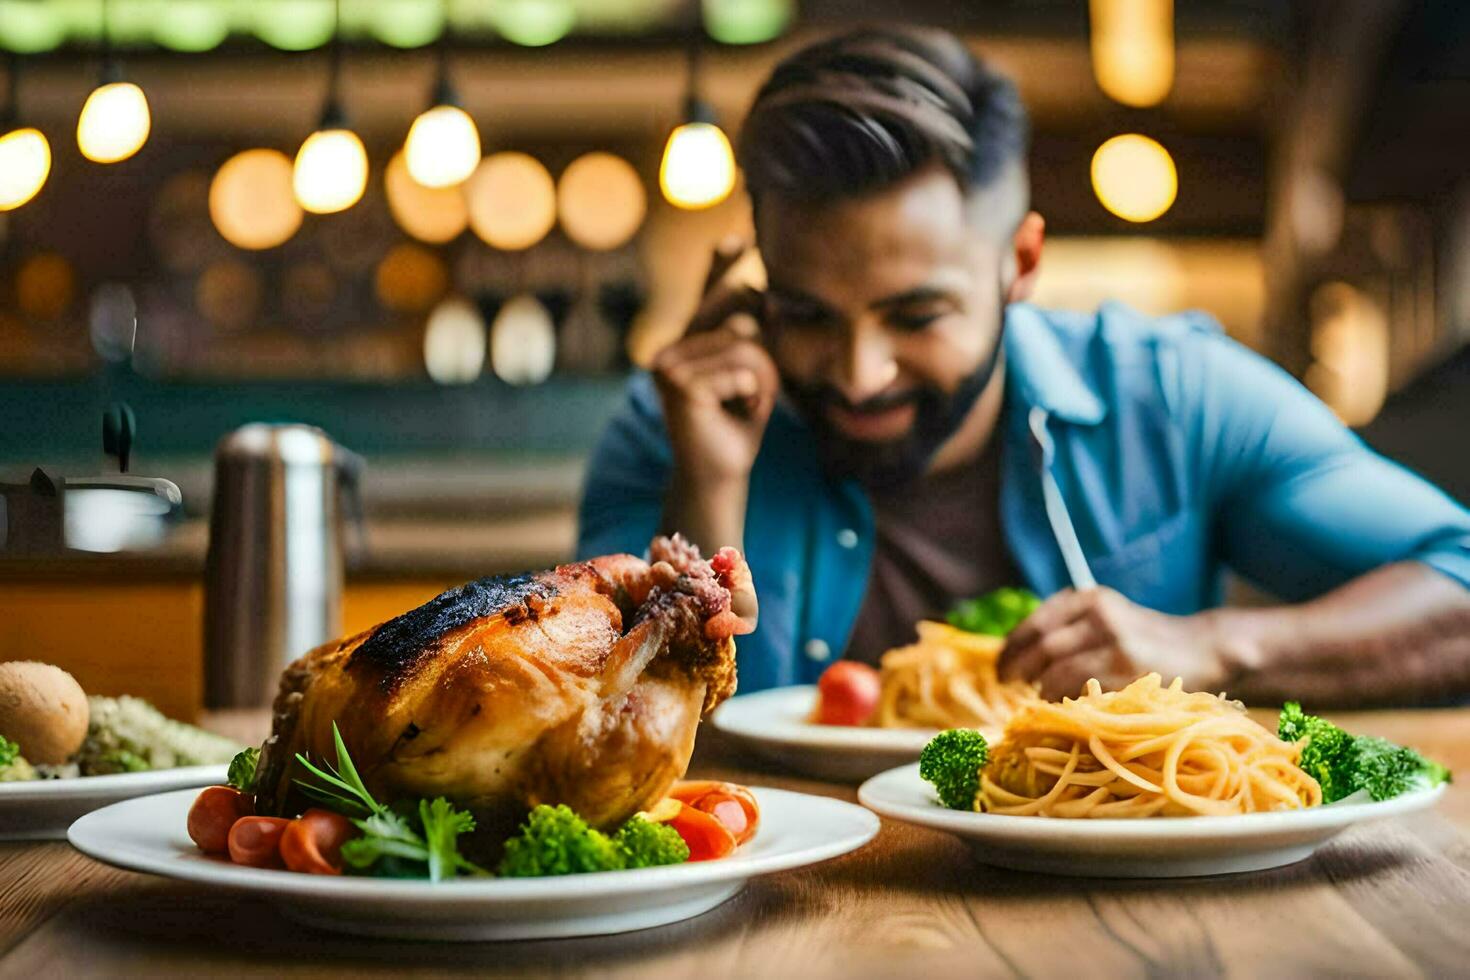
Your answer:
<point x="1343" y="763"/>
<point x="952" y="762"/>
<point x="13" y="766"/>
<point x="116" y="761"/>
<point x="995" y="613"/>
<point x="646" y="844"/>
<point x="555" y="841"/>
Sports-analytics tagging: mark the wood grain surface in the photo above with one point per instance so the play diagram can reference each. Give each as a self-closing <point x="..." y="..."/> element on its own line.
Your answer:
<point x="1389" y="899"/>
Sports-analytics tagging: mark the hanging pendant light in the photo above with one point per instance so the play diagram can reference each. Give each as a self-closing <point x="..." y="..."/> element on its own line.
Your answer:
<point x="698" y="167"/>
<point x="25" y="154"/>
<point x="443" y="146"/>
<point x="115" y="121"/>
<point x="331" y="169"/>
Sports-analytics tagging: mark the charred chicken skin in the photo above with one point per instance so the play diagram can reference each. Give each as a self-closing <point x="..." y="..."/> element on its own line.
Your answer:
<point x="582" y="685"/>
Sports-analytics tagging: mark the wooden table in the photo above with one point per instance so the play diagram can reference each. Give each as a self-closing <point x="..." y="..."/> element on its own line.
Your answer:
<point x="1384" y="900"/>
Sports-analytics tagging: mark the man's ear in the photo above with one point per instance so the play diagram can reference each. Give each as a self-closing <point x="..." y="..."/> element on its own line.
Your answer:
<point x="1029" y="238"/>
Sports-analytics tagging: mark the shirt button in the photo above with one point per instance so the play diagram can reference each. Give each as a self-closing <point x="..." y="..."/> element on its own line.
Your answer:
<point x="818" y="650"/>
<point x="847" y="537"/>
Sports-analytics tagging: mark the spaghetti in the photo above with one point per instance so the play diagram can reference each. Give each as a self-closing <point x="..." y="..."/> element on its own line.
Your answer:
<point x="947" y="680"/>
<point x="1144" y="751"/>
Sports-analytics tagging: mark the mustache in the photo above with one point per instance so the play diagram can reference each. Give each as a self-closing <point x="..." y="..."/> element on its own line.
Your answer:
<point x="824" y="396"/>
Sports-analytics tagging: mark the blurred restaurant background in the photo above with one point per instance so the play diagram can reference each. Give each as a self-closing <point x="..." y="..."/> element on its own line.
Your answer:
<point x="444" y="231"/>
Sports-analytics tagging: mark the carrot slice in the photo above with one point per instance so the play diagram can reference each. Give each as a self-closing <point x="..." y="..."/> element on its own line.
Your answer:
<point x="709" y="794"/>
<point x="707" y="838"/>
<point x="256" y="841"/>
<point x="312" y="843"/>
<point x="214" y="812"/>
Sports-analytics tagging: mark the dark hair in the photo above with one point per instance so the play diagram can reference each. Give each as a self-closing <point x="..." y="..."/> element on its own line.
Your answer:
<point x="865" y="109"/>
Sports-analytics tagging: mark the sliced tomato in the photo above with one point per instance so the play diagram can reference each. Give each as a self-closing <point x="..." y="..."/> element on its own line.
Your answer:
<point x="707" y="838"/>
<point x="214" y="812"/>
<point x="256" y="841"/>
<point x="312" y="843"/>
<point x="715" y="798"/>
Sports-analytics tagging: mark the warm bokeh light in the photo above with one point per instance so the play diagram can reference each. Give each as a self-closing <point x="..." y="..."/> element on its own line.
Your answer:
<point x="228" y="293"/>
<point x="45" y="286"/>
<point x="331" y="171"/>
<point x="600" y="201"/>
<point x="443" y="146"/>
<point x="522" y="342"/>
<point x="1134" y="177"/>
<point x="454" y="342"/>
<point x="430" y="214"/>
<point x="1350" y="350"/>
<point x="1133" y="49"/>
<point x="294" y="25"/>
<point x="114" y="123"/>
<point x="534" y="23"/>
<point x="512" y="201"/>
<point x="410" y="278"/>
<point x="407" y="23"/>
<point x="30" y="27"/>
<point x="698" y="168"/>
<point x="25" y="163"/>
<point x="746" y="21"/>
<point x="251" y="201"/>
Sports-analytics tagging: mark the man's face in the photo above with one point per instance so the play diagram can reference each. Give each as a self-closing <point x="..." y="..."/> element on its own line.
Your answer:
<point x="879" y="310"/>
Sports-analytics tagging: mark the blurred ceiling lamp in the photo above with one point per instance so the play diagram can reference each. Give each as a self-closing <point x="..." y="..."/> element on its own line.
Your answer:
<point x="698" y="168"/>
<point x="534" y="23"/>
<point x="523" y="342"/>
<point x="294" y="25"/>
<point x="747" y="21"/>
<point x="29" y="27"/>
<point x="331" y="168"/>
<point x="408" y="23"/>
<point x="601" y="201"/>
<point x="251" y="201"/>
<point x="25" y="154"/>
<point x="454" y="342"/>
<point x="430" y="214"/>
<point x="443" y="146"/>
<point x="115" y="121"/>
<point x="512" y="201"/>
<point x="1134" y="177"/>
<point x="192" y="25"/>
<point x="410" y="279"/>
<point x="1133" y="49"/>
<point x="1350" y="347"/>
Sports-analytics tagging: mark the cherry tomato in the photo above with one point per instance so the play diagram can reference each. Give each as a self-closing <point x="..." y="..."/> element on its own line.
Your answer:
<point x="256" y="841"/>
<point x="213" y="814"/>
<point x="847" y="693"/>
<point x="312" y="843"/>
<point x="707" y="838"/>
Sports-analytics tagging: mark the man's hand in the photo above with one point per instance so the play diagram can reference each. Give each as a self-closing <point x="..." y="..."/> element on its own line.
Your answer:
<point x="1099" y="633"/>
<point x="718" y="387"/>
<point x="717" y="383"/>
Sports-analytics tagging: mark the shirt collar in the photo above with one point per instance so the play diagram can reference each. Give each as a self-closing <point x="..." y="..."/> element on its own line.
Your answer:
<point x="1041" y="371"/>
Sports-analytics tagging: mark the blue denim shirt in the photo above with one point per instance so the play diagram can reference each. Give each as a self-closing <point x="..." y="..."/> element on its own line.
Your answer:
<point x="1177" y="454"/>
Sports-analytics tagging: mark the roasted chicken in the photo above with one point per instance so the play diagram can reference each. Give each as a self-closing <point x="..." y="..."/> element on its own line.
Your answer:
<point x="582" y="685"/>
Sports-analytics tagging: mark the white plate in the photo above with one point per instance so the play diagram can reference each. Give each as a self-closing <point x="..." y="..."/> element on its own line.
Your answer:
<point x="774" y="724"/>
<point x="42" y="809"/>
<point x="796" y="830"/>
<point x="1161" y="847"/>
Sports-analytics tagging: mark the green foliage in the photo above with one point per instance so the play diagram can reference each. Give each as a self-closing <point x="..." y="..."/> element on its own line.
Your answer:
<point x="9" y="751"/>
<point x="952" y="762"/>
<point x="1344" y="764"/>
<point x="555" y="841"/>
<point x="995" y="613"/>
<point x="242" y="770"/>
<point x="13" y="766"/>
<point x="646" y="844"/>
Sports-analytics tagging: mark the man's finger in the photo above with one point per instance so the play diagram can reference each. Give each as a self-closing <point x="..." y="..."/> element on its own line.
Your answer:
<point x="722" y="303"/>
<point x="1028" y="663"/>
<point x="727" y="252"/>
<point x="1066" y="677"/>
<point x="1055" y="612"/>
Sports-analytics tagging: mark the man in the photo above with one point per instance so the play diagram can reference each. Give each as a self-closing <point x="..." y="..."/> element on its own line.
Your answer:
<point x="889" y="427"/>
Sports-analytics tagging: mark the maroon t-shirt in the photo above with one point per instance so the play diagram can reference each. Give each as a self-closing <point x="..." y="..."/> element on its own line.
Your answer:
<point x="939" y="540"/>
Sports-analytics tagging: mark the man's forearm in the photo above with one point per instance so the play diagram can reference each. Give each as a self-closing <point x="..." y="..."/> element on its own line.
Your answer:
<point x="1398" y="634"/>
<point x="709" y="513"/>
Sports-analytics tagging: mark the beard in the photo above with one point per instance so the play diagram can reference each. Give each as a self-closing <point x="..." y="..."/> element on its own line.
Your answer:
<point x="892" y="463"/>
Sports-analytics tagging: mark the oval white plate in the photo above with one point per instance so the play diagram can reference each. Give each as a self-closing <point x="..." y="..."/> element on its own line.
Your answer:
<point x="42" y="809"/>
<point x="148" y="834"/>
<point x="1164" y="847"/>
<point x="774" y="725"/>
